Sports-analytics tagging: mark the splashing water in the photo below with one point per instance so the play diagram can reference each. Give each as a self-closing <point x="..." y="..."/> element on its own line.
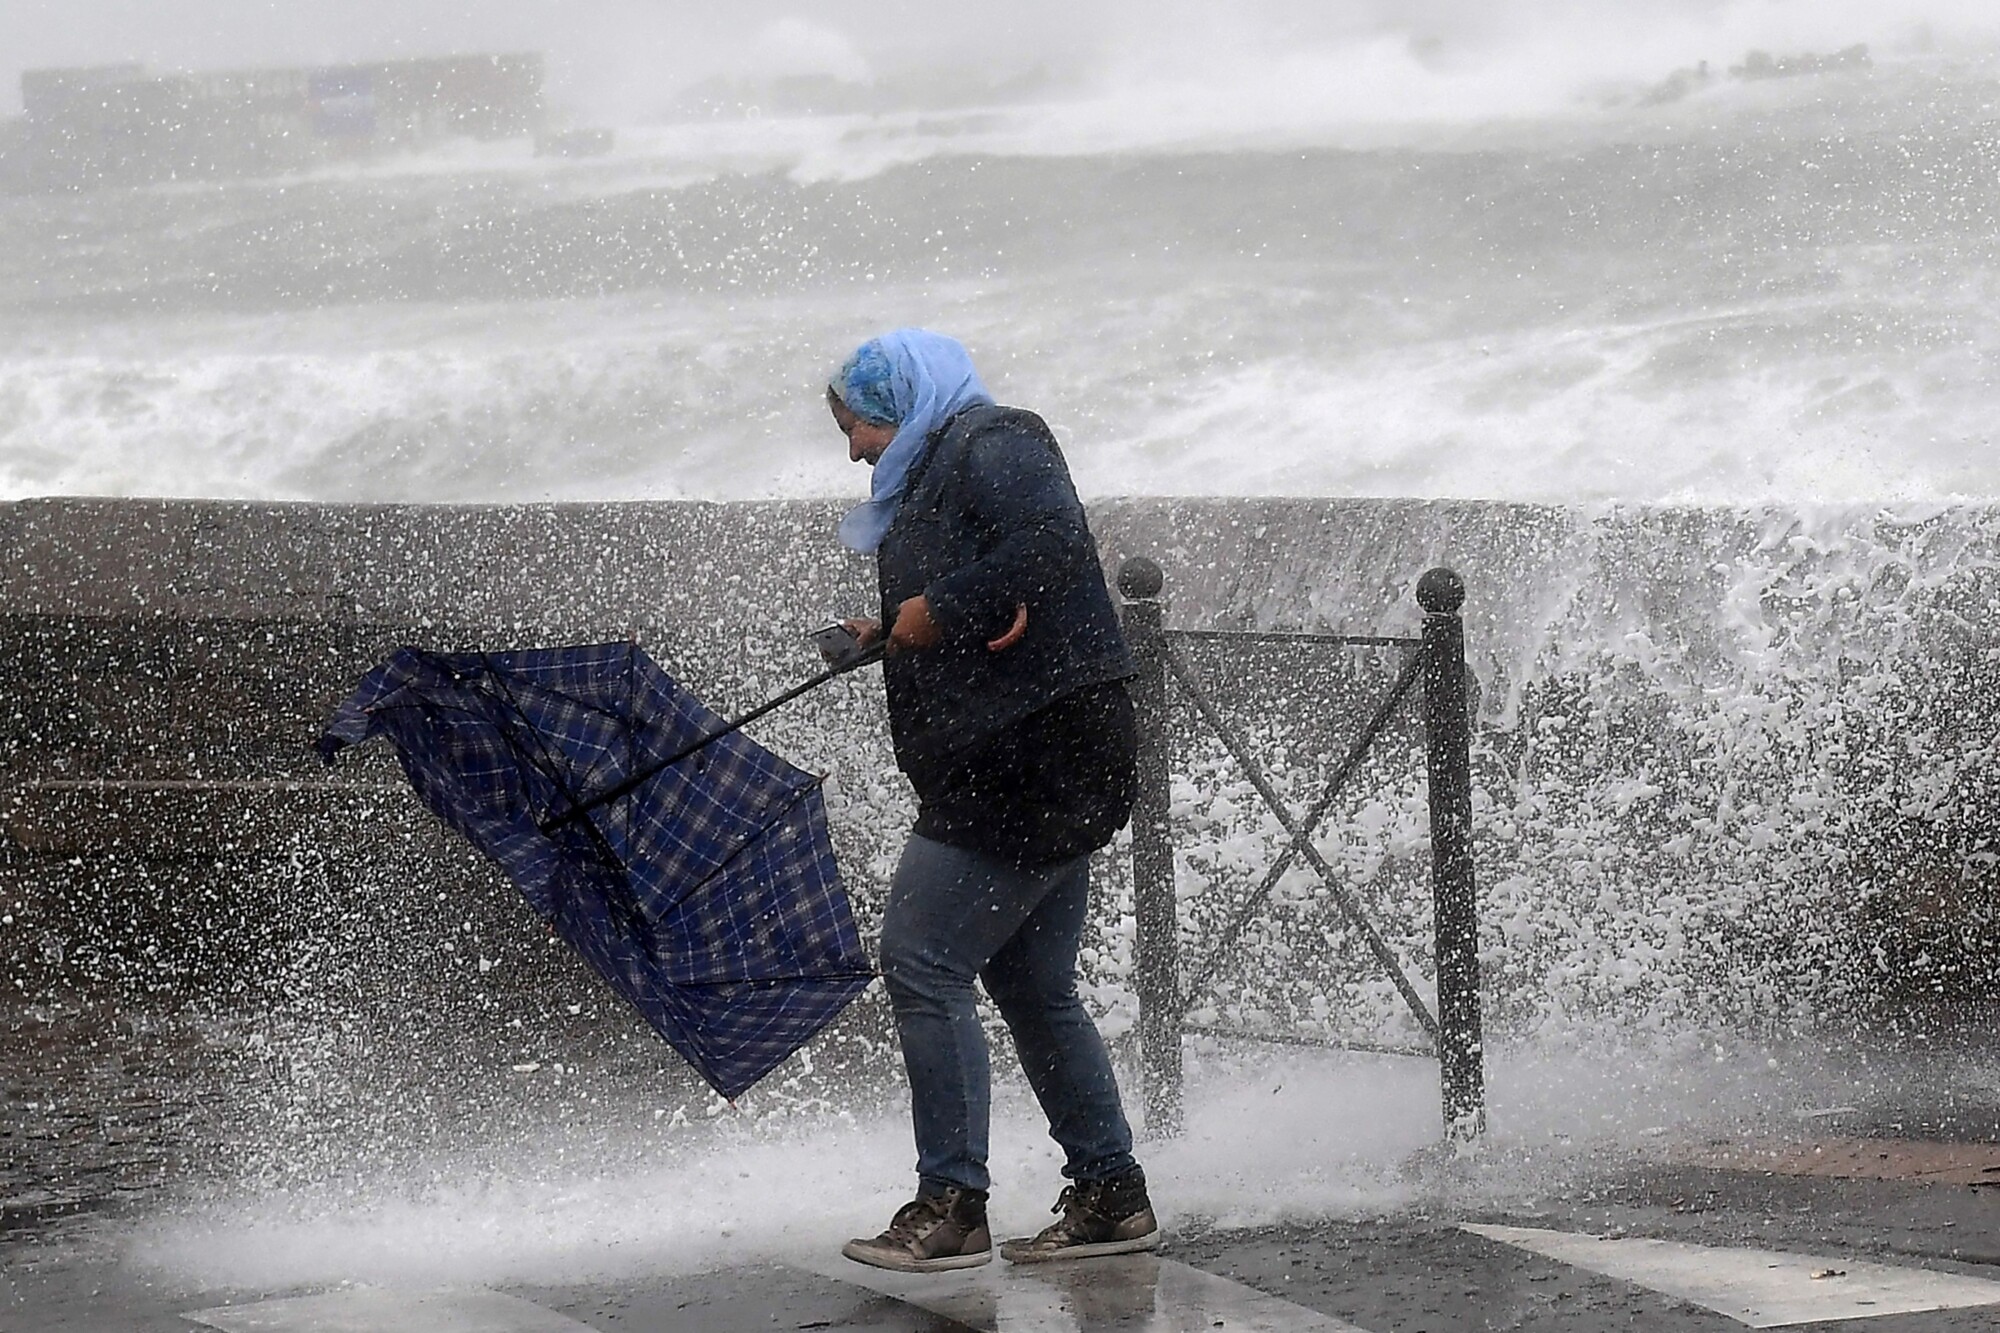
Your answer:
<point x="1734" y="761"/>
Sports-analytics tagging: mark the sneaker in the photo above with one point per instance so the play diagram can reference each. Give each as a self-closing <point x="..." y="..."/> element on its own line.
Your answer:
<point x="930" y="1233"/>
<point x="1098" y="1217"/>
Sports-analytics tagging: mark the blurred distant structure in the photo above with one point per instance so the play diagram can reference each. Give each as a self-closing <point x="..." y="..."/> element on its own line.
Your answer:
<point x="1757" y="67"/>
<point x="1763" y="65"/>
<point x="121" y="125"/>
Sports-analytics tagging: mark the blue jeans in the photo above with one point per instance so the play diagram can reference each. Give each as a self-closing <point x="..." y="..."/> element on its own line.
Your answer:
<point x="954" y="915"/>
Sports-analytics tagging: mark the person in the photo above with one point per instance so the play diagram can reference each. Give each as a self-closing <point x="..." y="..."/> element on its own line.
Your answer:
<point x="1005" y="676"/>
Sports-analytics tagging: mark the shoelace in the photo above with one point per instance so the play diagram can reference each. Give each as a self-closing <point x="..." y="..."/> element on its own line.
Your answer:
<point x="1074" y="1199"/>
<point x="909" y="1222"/>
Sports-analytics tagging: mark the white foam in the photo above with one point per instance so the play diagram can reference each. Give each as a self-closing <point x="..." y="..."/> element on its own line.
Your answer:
<point x="1271" y="1136"/>
<point x="617" y="399"/>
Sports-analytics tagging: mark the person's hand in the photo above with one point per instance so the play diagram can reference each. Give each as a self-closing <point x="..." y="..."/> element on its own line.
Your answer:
<point x="865" y="629"/>
<point x="1014" y="631"/>
<point x="914" y="629"/>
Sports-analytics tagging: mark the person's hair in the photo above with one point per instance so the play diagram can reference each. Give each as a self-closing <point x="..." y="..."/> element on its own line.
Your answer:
<point x="862" y="385"/>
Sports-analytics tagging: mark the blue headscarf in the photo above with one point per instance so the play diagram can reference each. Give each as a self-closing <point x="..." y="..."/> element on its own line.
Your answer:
<point x="914" y="380"/>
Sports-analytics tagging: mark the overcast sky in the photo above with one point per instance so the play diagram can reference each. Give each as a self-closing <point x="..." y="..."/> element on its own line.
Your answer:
<point x="623" y="58"/>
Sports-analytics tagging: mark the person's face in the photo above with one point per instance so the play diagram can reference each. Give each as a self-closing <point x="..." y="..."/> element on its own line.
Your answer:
<point x="865" y="439"/>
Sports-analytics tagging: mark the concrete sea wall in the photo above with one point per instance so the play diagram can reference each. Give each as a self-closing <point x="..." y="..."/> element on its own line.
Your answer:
<point x="1735" y="767"/>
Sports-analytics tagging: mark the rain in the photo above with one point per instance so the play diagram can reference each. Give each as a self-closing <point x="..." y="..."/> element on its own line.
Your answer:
<point x="330" y="330"/>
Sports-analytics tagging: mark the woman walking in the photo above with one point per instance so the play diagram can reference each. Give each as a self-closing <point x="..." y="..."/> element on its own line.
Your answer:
<point x="1008" y="710"/>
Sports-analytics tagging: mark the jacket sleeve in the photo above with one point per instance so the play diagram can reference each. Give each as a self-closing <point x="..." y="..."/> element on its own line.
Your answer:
<point x="1016" y="491"/>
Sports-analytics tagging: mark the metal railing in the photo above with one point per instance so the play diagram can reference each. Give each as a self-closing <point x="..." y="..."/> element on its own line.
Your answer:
<point x="1437" y="659"/>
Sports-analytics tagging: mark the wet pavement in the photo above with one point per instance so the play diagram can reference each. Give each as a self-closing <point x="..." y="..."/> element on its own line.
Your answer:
<point x="1659" y="1248"/>
<point x="105" y="1108"/>
<point x="1882" y="1215"/>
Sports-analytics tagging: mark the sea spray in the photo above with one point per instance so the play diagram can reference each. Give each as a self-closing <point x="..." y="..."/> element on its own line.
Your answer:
<point x="1730" y="782"/>
<point x="1730" y="768"/>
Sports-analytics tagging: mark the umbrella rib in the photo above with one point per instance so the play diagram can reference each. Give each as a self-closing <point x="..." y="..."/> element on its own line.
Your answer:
<point x="749" y="840"/>
<point x="548" y="768"/>
<point x="633" y="678"/>
<point x="495" y="675"/>
<point x="611" y="716"/>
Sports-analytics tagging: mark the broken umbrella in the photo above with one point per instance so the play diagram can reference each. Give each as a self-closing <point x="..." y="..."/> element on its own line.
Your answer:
<point x="688" y="865"/>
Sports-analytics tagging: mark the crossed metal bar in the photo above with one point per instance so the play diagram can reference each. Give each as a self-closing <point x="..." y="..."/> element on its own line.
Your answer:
<point x="1300" y="832"/>
<point x="1438" y="661"/>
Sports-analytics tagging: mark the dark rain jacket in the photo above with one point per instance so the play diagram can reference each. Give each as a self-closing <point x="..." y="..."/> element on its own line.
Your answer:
<point x="1025" y="753"/>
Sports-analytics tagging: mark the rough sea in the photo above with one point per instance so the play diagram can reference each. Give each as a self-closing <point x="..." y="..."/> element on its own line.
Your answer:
<point x="1727" y="290"/>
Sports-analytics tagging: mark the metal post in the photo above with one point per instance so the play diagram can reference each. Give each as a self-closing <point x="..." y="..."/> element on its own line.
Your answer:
<point x="1448" y="736"/>
<point x="1157" y="946"/>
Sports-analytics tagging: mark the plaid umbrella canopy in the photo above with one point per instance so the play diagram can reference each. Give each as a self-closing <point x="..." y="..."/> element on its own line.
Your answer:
<point x="702" y="888"/>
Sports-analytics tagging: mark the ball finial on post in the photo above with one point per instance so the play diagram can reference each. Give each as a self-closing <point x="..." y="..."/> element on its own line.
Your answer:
<point x="1140" y="579"/>
<point x="1440" y="590"/>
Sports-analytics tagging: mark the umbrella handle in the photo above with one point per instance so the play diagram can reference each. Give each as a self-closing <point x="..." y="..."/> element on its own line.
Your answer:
<point x="873" y="653"/>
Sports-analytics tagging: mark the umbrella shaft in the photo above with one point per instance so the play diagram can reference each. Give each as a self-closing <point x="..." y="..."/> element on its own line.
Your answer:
<point x="651" y="771"/>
